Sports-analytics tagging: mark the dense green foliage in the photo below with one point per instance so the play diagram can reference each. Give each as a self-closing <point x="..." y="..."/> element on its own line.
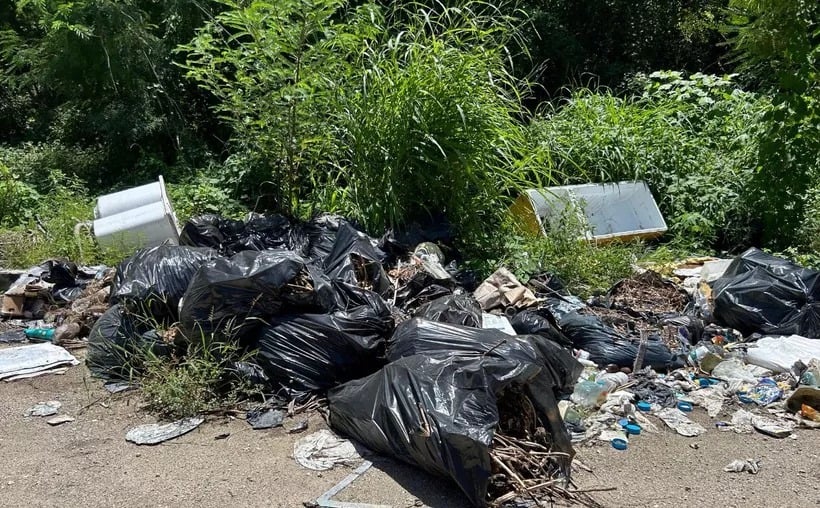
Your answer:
<point x="395" y="112"/>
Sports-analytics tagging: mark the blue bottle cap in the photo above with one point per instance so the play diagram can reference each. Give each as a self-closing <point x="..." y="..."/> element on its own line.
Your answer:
<point x="619" y="444"/>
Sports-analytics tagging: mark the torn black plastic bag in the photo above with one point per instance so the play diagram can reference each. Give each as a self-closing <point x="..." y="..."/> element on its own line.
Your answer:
<point x="152" y="281"/>
<point x="605" y="345"/>
<point x="439" y="412"/>
<point x="456" y="309"/>
<point x="313" y="352"/>
<point x="530" y="322"/>
<point x="354" y="260"/>
<point x="117" y="339"/>
<point x="232" y="295"/>
<point x="761" y="301"/>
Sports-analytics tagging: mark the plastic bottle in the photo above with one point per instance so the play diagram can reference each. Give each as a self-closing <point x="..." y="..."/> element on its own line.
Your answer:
<point x="589" y="394"/>
<point x="40" y="333"/>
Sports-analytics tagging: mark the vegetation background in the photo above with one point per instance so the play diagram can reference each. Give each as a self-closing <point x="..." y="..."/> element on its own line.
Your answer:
<point x="395" y="113"/>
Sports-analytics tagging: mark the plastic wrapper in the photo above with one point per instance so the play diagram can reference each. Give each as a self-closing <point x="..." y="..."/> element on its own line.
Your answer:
<point x="605" y="345"/>
<point x="313" y="352"/>
<point x="455" y="309"/>
<point x="116" y="338"/>
<point x="152" y="281"/>
<point x="437" y="409"/>
<point x="234" y="295"/>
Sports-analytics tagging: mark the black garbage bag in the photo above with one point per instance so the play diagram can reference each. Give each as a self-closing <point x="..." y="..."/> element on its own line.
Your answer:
<point x="605" y="345"/>
<point x="152" y="281"/>
<point x="421" y="336"/>
<point x="118" y="341"/>
<point x="756" y="258"/>
<point x="456" y="309"/>
<point x="354" y="260"/>
<point x="320" y="233"/>
<point x="530" y="322"/>
<point x="211" y="231"/>
<point x="59" y="272"/>
<point x="773" y="303"/>
<point x="260" y="232"/>
<point x="313" y="352"/>
<point x="68" y="280"/>
<point x="398" y="243"/>
<point x="233" y="296"/>
<point x="438" y="409"/>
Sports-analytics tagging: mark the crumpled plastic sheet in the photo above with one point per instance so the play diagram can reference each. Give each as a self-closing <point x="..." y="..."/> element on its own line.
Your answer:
<point x="710" y="398"/>
<point x="155" y="433"/>
<point x="676" y="420"/>
<point x="25" y="361"/>
<point x="323" y="450"/>
<point x="738" y="466"/>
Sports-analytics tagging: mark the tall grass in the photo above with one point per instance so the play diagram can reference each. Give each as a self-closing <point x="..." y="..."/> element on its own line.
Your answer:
<point x="435" y="126"/>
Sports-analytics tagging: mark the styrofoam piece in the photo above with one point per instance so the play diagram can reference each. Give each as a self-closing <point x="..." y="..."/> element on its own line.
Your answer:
<point x="610" y="211"/>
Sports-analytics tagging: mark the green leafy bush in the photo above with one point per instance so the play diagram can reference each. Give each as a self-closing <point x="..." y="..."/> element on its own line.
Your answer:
<point x="694" y="140"/>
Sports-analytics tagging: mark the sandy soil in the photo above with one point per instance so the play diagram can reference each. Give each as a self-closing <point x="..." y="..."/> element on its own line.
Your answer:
<point x="88" y="462"/>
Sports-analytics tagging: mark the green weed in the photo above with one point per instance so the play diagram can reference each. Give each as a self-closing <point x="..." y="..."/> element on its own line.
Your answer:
<point x="585" y="267"/>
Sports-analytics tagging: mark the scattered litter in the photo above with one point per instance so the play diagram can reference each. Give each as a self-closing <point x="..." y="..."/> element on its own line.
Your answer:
<point x="13" y="336"/>
<point x="36" y="360"/>
<point x="265" y="419"/>
<point x="739" y="466"/>
<point x="44" y="409"/>
<point x="742" y="421"/>
<point x="677" y="420"/>
<point x="224" y="435"/>
<point x="154" y="433"/>
<point x="710" y="398"/>
<point x="502" y="290"/>
<point x="323" y="450"/>
<point x="772" y="428"/>
<point x="59" y="420"/>
<point x="300" y="426"/>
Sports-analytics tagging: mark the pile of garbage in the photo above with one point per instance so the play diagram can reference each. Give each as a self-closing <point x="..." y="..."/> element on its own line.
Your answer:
<point x="748" y="352"/>
<point x="488" y="384"/>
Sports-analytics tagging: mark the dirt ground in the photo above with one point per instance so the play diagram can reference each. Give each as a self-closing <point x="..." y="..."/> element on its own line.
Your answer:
<point x="88" y="462"/>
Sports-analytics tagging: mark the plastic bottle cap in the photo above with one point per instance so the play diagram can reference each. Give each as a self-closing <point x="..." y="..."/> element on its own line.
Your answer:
<point x="685" y="406"/>
<point x="633" y="429"/>
<point x="643" y="406"/>
<point x="619" y="444"/>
